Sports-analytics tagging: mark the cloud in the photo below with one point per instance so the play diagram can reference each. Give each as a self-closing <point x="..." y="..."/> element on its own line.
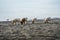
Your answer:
<point x="31" y="8"/>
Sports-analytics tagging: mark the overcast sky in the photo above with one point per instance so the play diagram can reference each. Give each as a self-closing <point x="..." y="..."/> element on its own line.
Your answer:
<point x="29" y="8"/>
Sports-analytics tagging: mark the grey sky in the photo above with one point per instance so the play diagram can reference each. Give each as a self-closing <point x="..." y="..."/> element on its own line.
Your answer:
<point x="29" y="8"/>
